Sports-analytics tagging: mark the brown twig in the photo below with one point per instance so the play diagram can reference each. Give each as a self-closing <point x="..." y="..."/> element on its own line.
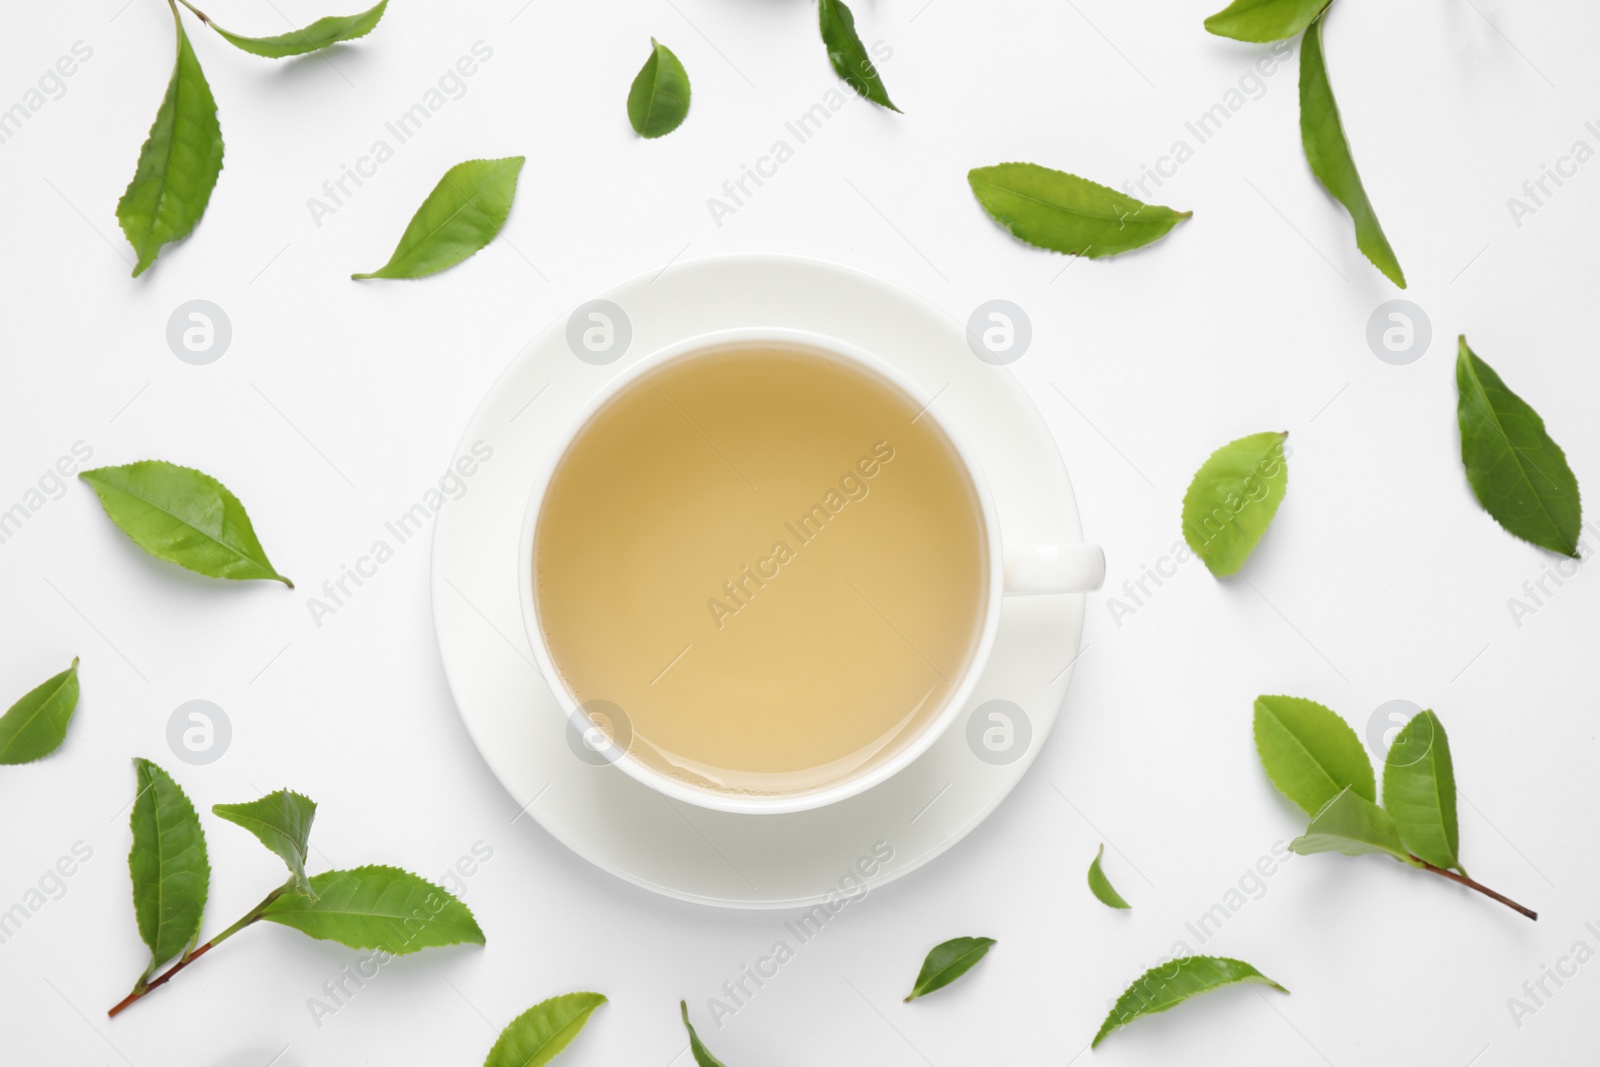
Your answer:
<point x="1485" y="890"/>
<point x="144" y="988"/>
<point x="160" y="979"/>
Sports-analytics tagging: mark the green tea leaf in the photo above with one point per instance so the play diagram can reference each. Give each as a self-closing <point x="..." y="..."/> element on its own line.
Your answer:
<point x="535" y="1037"/>
<point x="1354" y="825"/>
<point x="1419" y="791"/>
<point x="947" y="962"/>
<point x="1328" y="152"/>
<point x="377" y="907"/>
<point x="848" y="55"/>
<point x="658" y="102"/>
<point x="702" y="1055"/>
<point x="1261" y="21"/>
<point x="1310" y="753"/>
<point x="1100" y="885"/>
<point x="183" y="516"/>
<point x="1233" y="498"/>
<point x="168" y="865"/>
<point x="1517" y="472"/>
<point x="463" y="214"/>
<point x="320" y="34"/>
<point x="1062" y="212"/>
<point x="178" y="165"/>
<point x="282" y="822"/>
<point x="37" y="724"/>
<point x="1164" y="987"/>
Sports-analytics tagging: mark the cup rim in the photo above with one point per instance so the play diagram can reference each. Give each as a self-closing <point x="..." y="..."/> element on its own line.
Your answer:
<point x="830" y="347"/>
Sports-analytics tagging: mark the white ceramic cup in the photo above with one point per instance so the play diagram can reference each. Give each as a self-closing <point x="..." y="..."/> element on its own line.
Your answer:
<point x="1013" y="570"/>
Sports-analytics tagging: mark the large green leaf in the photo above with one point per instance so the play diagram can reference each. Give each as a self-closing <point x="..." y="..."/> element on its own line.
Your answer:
<point x="168" y="865"/>
<point x="658" y="100"/>
<point x="463" y="214"/>
<point x="183" y="516"/>
<point x="1261" y="21"/>
<point x="282" y="822"/>
<point x="848" y="55"/>
<point x="702" y="1055"/>
<point x="320" y="34"/>
<point x="1354" y="825"/>
<point x="1517" y="472"/>
<point x="1328" y="152"/>
<point x="948" y="961"/>
<point x="1419" y="791"/>
<point x="377" y="907"/>
<point x="178" y="165"/>
<point x="1233" y="498"/>
<point x="1309" y="752"/>
<point x="37" y="724"/>
<point x="1164" y="987"/>
<point x="535" y="1037"/>
<point x="1065" y="213"/>
<point x="1101" y="886"/>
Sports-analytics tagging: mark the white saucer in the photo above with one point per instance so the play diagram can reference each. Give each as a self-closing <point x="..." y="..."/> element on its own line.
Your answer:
<point x="750" y="861"/>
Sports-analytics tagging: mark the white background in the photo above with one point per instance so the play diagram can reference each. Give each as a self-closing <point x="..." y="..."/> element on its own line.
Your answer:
<point x="338" y="403"/>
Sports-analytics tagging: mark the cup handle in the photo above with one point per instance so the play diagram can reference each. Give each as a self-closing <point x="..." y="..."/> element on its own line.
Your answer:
<point x="1066" y="568"/>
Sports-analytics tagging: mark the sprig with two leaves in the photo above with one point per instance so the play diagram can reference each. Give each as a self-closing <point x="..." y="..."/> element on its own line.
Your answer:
<point x="182" y="157"/>
<point x="1321" y="128"/>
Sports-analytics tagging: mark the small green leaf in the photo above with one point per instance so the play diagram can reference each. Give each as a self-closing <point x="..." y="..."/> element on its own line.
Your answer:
<point x="1233" y="498"/>
<point x="168" y="865"/>
<point x="1166" y="986"/>
<point x="320" y="34"/>
<point x="377" y="907"/>
<point x="183" y="516"/>
<point x="535" y="1037"/>
<point x="1419" y="790"/>
<point x="1100" y="885"/>
<point x="658" y="102"/>
<point x="1328" y="152"/>
<point x="1260" y="21"/>
<point x="1517" y="472"/>
<point x="1354" y="825"/>
<point x="1310" y="753"/>
<point x="178" y="165"/>
<point x="282" y="822"/>
<point x="37" y="724"/>
<point x="463" y="214"/>
<point x="947" y="962"/>
<point x="848" y="55"/>
<point x="702" y="1055"/>
<point x="1062" y="212"/>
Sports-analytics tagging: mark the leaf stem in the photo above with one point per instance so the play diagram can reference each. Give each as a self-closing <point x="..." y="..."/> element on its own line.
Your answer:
<point x="201" y="15"/>
<point x="1485" y="890"/>
<point x="143" y="987"/>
